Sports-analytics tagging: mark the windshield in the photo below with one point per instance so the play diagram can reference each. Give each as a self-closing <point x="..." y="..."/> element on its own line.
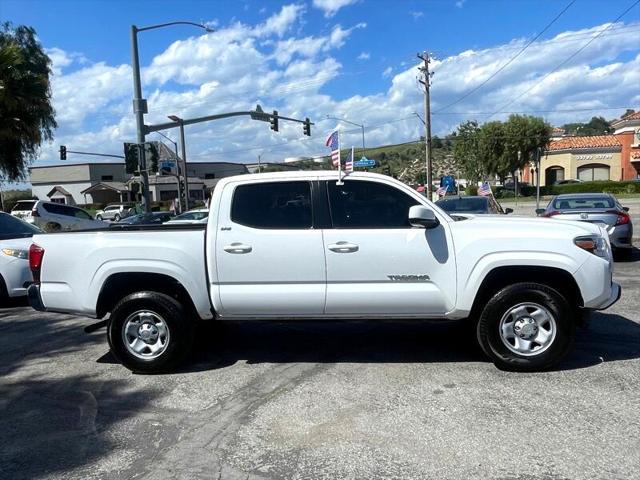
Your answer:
<point x="23" y="205"/>
<point x="464" y="205"/>
<point x="579" y="203"/>
<point x="12" y="227"/>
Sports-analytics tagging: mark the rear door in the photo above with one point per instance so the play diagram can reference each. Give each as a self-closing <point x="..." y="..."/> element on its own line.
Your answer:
<point x="377" y="264"/>
<point x="269" y="257"/>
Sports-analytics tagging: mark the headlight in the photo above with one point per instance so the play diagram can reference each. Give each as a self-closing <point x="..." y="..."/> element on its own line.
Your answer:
<point x="596" y="245"/>
<point x="14" y="252"/>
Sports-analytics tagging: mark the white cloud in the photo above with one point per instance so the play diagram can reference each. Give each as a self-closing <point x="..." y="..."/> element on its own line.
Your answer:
<point x="460" y="3"/>
<point x="416" y="15"/>
<point x="331" y="7"/>
<point x="310" y="46"/>
<point x="280" y="22"/>
<point x="234" y="68"/>
<point x="364" y="56"/>
<point x="387" y="72"/>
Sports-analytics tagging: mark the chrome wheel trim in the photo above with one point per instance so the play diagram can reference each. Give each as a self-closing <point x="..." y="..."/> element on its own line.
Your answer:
<point x="145" y="335"/>
<point x="528" y="329"/>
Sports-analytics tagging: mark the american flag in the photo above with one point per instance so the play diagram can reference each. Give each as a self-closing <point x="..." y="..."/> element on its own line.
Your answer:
<point x="442" y="191"/>
<point x="333" y="143"/>
<point x="485" y="189"/>
<point x="349" y="165"/>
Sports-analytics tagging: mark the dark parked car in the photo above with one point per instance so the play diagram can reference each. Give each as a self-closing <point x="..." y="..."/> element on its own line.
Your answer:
<point x="153" y="218"/>
<point x="567" y="181"/>
<point x="512" y="186"/>
<point x="599" y="208"/>
<point x="471" y="204"/>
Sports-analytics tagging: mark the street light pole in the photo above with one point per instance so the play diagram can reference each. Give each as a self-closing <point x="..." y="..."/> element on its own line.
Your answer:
<point x="175" y="147"/>
<point x="140" y="104"/>
<point x="351" y="123"/>
<point x="183" y="147"/>
<point x="139" y="109"/>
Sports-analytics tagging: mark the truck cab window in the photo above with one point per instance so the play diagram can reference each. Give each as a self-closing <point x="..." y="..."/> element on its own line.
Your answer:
<point x="364" y="204"/>
<point x="273" y="205"/>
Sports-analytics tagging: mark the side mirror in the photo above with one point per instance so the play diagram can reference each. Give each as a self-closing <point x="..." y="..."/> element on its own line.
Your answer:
<point x="420" y="216"/>
<point x="507" y="211"/>
<point x="540" y="211"/>
<point x="626" y="209"/>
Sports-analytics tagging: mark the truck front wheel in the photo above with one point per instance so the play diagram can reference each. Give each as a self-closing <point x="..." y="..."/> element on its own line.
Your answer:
<point x="149" y="332"/>
<point x="526" y="327"/>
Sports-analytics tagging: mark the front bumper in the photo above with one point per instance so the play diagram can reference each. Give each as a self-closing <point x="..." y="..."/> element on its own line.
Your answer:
<point x="35" y="300"/>
<point x="616" y="291"/>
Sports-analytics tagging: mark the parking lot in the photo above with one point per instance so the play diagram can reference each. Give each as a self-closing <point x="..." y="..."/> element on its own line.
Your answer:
<point x="320" y="400"/>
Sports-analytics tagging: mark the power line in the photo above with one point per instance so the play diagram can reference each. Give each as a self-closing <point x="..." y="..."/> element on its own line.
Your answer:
<point x="566" y="60"/>
<point x="475" y="89"/>
<point x="568" y="110"/>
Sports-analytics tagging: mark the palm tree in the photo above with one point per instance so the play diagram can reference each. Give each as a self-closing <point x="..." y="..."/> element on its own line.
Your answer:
<point x="26" y="114"/>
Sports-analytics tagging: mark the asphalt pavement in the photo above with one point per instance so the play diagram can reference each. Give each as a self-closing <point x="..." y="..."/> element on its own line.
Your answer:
<point x="320" y="400"/>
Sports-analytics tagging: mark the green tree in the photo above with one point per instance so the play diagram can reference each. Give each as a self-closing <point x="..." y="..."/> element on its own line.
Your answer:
<point x="523" y="136"/>
<point x="465" y="151"/>
<point x="26" y="114"/>
<point x="596" y="126"/>
<point x="491" y="141"/>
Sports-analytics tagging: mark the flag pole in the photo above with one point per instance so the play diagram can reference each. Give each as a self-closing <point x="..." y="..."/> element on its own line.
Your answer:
<point x="339" y="159"/>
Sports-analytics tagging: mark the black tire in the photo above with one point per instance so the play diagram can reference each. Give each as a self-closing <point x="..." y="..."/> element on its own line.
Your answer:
<point x="180" y="332"/>
<point x="4" y="294"/>
<point x="116" y="217"/>
<point x="99" y="217"/>
<point x="490" y="336"/>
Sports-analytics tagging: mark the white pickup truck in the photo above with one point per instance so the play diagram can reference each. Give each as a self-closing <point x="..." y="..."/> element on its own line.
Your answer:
<point x="301" y="245"/>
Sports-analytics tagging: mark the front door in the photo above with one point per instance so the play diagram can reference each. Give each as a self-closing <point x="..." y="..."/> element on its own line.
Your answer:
<point x="377" y="264"/>
<point x="270" y="259"/>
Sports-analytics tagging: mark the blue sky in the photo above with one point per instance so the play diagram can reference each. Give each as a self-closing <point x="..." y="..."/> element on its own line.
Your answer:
<point x="354" y="59"/>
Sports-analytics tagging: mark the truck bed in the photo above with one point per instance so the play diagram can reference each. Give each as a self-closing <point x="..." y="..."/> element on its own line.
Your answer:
<point x="77" y="264"/>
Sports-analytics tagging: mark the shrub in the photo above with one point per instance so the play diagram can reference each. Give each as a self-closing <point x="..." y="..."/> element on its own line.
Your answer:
<point x="505" y="194"/>
<point x="600" y="186"/>
<point x="471" y="190"/>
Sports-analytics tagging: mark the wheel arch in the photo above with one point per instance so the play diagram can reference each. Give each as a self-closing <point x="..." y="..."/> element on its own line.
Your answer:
<point x="500" y="277"/>
<point x="119" y="285"/>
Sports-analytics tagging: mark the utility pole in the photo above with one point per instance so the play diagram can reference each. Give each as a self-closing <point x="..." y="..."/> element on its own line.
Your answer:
<point x="139" y="108"/>
<point x="426" y="81"/>
<point x="259" y="163"/>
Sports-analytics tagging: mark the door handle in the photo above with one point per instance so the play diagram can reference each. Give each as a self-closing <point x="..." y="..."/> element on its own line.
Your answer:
<point x="343" y="247"/>
<point x="237" y="247"/>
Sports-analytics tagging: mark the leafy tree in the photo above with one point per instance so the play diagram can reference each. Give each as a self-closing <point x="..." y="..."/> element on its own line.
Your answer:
<point x="523" y="135"/>
<point x="596" y="126"/>
<point x="26" y="114"/>
<point x="465" y="151"/>
<point x="491" y="145"/>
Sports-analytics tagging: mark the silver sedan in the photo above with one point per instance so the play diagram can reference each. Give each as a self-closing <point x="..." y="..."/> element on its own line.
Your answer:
<point x="600" y="208"/>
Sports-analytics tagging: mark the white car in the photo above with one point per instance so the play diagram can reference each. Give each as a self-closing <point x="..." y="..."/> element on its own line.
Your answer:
<point x="301" y="245"/>
<point x="197" y="215"/>
<point x="55" y="217"/>
<point x="114" y="212"/>
<point x="15" y="239"/>
<point x="22" y="209"/>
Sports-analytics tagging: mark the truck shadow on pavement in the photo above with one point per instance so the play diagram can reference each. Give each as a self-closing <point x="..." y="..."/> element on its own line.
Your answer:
<point x="54" y="426"/>
<point x="609" y="337"/>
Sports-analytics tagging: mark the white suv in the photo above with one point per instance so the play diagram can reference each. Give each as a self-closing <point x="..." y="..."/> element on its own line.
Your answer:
<point x="54" y="217"/>
<point x="114" y="212"/>
<point x="22" y="209"/>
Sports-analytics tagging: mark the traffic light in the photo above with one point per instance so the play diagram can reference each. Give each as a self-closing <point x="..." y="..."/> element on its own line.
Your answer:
<point x="274" y="121"/>
<point x="306" y="127"/>
<point x="131" y="153"/>
<point x="63" y="152"/>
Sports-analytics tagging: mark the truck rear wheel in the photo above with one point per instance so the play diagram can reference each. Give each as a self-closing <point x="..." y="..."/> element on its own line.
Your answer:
<point x="149" y="332"/>
<point x="526" y="327"/>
